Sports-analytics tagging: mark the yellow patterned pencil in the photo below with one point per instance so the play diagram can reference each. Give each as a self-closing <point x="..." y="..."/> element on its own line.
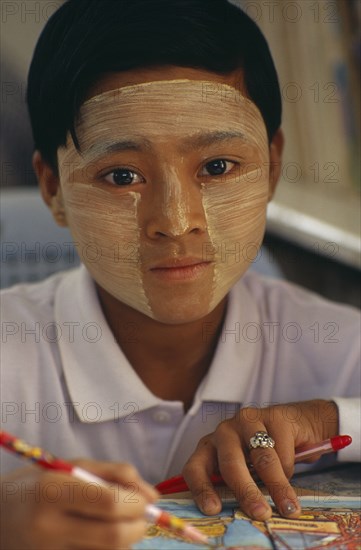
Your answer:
<point x="46" y="460"/>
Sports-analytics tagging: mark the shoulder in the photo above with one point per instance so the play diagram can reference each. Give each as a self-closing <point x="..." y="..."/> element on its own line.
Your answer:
<point x="274" y="297"/>
<point x="310" y="345"/>
<point x="302" y="322"/>
<point x="28" y="315"/>
<point x="30" y="337"/>
<point x="31" y="300"/>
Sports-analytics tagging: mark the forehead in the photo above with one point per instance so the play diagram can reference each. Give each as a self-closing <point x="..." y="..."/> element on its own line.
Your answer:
<point x="143" y="75"/>
<point x="171" y="108"/>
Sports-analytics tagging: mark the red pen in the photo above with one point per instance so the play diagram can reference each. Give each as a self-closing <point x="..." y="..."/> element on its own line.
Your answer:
<point x="177" y="484"/>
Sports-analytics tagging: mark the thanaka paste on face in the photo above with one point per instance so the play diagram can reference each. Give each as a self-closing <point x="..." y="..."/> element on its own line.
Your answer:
<point x="121" y="233"/>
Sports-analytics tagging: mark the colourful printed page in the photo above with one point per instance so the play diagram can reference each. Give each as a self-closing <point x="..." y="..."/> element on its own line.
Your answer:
<point x="321" y="525"/>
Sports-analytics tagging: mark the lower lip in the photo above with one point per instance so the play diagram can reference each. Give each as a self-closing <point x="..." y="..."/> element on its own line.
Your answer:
<point x="185" y="273"/>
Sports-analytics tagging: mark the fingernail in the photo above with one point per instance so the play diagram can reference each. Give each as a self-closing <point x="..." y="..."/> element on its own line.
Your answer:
<point x="259" y="510"/>
<point x="210" y="506"/>
<point x="289" y="507"/>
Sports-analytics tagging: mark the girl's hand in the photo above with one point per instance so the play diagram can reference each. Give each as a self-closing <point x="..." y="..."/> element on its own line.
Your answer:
<point x="226" y="451"/>
<point x="46" y="510"/>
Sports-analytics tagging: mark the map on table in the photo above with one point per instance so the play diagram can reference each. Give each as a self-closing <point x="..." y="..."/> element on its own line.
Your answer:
<point x="322" y="525"/>
<point x="340" y="479"/>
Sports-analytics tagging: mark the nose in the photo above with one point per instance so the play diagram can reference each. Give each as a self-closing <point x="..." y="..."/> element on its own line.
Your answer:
<point x="176" y="207"/>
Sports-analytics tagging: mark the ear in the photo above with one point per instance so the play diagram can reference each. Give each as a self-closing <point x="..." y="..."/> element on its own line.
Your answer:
<point x="49" y="184"/>
<point x="276" y="150"/>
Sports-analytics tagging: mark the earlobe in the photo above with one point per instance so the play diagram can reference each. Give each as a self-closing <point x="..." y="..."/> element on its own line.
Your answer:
<point x="50" y="188"/>
<point x="276" y="150"/>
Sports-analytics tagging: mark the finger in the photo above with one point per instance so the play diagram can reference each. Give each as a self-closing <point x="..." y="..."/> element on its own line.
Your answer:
<point x="121" y="473"/>
<point x="269" y="468"/>
<point x="233" y="467"/>
<point x="108" y="503"/>
<point x="284" y="449"/>
<point x="88" y="534"/>
<point x="312" y="459"/>
<point x="197" y="471"/>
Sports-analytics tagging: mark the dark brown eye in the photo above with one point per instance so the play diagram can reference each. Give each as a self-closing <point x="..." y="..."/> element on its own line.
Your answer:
<point x="216" y="167"/>
<point x="123" y="176"/>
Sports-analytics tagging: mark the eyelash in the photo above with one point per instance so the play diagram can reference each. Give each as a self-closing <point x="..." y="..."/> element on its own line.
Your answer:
<point x="134" y="173"/>
<point x="124" y="169"/>
<point x="226" y="161"/>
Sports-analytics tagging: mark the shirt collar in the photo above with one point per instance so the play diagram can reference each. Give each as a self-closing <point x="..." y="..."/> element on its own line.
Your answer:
<point x="95" y="368"/>
<point x="238" y="351"/>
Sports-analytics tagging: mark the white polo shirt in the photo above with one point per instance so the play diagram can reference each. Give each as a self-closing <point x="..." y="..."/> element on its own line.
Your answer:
<point x="66" y="385"/>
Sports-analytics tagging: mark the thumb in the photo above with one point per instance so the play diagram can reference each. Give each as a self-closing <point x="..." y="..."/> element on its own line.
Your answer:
<point x="122" y="473"/>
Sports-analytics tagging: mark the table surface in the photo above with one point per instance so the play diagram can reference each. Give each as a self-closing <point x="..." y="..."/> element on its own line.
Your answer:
<point x="343" y="479"/>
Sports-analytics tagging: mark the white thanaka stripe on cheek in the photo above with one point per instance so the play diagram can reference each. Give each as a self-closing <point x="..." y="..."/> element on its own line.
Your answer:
<point x="236" y="224"/>
<point x="236" y="212"/>
<point x="114" y="257"/>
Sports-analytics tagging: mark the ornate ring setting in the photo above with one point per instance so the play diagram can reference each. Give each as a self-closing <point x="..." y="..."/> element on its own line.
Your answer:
<point x="261" y="439"/>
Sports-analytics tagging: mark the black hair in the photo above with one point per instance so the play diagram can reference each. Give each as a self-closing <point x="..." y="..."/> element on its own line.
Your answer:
<point x="85" y="39"/>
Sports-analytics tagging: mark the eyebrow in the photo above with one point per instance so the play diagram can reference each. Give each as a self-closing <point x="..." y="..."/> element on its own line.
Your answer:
<point x="102" y="149"/>
<point x="209" y="138"/>
<point x="197" y="140"/>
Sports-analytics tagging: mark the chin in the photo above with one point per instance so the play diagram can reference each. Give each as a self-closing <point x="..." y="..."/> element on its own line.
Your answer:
<point x="171" y="315"/>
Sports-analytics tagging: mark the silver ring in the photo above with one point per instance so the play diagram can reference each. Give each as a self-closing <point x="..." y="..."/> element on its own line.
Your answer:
<point x="261" y="439"/>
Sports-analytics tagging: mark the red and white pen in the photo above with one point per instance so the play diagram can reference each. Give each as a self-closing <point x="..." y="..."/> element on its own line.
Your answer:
<point x="178" y="484"/>
<point x="328" y="446"/>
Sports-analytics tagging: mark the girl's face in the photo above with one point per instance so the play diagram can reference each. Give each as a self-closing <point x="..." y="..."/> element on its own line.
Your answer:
<point x="166" y="199"/>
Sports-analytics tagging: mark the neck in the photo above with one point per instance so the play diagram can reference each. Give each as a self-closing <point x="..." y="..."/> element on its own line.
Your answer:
<point x="171" y="360"/>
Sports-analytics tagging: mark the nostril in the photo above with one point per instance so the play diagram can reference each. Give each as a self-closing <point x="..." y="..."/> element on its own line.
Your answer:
<point x="165" y="228"/>
<point x="196" y="230"/>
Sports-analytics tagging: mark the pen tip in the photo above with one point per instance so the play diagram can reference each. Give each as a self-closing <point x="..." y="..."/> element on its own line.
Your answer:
<point x="195" y="534"/>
